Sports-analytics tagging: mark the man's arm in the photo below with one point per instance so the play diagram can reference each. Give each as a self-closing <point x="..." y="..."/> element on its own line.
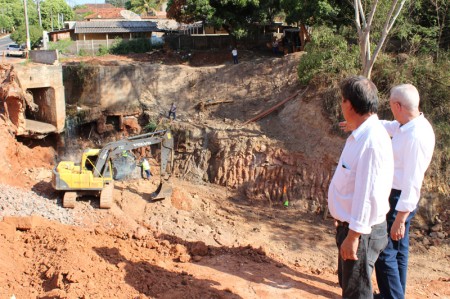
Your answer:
<point x="360" y="212"/>
<point x="398" y="227"/>
<point x="390" y="126"/>
<point x="350" y="246"/>
<point x="413" y="174"/>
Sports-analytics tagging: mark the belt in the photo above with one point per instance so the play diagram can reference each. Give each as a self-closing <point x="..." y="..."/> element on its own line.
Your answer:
<point x="341" y="223"/>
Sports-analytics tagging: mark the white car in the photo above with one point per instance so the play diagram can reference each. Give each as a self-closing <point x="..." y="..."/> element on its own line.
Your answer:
<point x="15" y="50"/>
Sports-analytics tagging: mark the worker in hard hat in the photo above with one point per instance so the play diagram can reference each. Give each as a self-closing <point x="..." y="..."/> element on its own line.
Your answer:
<point x="146" y="168"/>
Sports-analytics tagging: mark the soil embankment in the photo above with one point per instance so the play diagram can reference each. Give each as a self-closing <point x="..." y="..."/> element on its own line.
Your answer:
<point x="207" y="240"/>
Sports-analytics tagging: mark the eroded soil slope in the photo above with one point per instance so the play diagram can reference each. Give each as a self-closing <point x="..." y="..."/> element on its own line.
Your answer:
<point x="206" y="241"/>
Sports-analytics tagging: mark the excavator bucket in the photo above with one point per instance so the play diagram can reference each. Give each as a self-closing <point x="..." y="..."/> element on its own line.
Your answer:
<point x="163" y="191"/>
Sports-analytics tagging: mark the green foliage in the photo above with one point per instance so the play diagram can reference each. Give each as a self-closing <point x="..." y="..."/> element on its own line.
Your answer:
<point x="151" y="126"/>
<point x="117" y="3"/>
<point x="145" y="7"/>
<point x="62" y="45"/>
<point x="139" y="45"/>
<point x="317" y="12"/>
<point x="12" y="14"/>
<point x="103" y="50"/>
<point x="424" y="26"/>
<point x="20" y="35"/>
<point x="83" y="53"/>
<point x="328" y="54"/>
<point x="50" y="10"/>
<point x="433" y="82"/>
<point x="234" y="16"/>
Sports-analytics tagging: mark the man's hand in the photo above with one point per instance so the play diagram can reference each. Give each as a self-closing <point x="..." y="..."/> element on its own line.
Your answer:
<point x="345" y="126"/>
<point x="398" y="227"/>
<point x="350" y="246"/>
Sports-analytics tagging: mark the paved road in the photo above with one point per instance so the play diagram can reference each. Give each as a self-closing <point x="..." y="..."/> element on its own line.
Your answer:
<point x="4" y="42"/>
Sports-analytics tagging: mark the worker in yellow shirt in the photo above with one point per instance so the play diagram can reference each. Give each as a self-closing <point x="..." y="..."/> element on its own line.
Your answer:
<point x="146" y="168"/>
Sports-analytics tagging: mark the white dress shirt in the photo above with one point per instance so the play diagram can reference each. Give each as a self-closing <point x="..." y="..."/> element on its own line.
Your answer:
<point x="413" y="146"/>
<point x="360" y="188"/>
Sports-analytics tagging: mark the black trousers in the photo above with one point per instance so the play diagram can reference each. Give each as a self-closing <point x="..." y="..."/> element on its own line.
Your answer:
<point x="355" y="276"/>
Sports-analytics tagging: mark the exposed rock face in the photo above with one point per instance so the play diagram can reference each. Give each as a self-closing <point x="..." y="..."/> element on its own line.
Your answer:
<point x="257" y="165"/>
<point x="12" y="98"/>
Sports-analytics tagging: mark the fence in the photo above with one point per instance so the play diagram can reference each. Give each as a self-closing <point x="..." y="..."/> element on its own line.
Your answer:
<point x="92" y="47"/>
<point x="179" y="41"/>
<point x="214" y="41"/>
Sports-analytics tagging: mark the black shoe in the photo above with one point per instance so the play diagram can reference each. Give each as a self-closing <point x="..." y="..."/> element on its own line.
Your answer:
<point x="377" y="296"/>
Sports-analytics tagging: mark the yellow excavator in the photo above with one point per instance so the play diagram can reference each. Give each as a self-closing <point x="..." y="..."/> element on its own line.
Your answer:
<point x="94" y="175"/>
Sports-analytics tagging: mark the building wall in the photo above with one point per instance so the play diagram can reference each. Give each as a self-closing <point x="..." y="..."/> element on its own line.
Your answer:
<point x="56" y="36"/>
<point x="112" y="36"/>
<point x="46" y="84"/>
<point x="113" y="89"/>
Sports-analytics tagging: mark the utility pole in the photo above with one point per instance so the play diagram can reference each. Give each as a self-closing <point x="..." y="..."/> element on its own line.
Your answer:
<point x="26" y="25"/>
<point x="39" y="12"/>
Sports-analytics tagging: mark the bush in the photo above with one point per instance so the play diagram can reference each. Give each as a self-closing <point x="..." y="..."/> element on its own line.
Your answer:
<point x="328" y="54"/>
<point x="432" y="80"/>
<point x="102" y="50"/>
<point x="83" y="52"/>
<point x="62" y="45"/>
<point x="139" y="45"/>
<point x="151" y="126"/>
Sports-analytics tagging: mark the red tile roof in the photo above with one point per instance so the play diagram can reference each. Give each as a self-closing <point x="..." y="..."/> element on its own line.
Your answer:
<point x="106" y="13"/>
<point x="92" y="7"/>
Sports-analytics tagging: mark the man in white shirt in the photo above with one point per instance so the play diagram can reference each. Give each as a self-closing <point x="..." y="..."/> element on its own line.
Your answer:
<point x="358" y="192"/>
<point x="413" y="145"/>
<point x="234" y="53"/>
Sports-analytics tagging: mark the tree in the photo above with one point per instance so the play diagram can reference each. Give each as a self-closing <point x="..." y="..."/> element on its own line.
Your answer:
<point x="235" y="16"/>
<point x="364" y="26"/>
<point x="424" y="26"/>
<point x="12" y="14"/>
<point x="117" y="3"/>
<point x="315" y="13"/>
<point x="20" y="36"/>
<point x="144" y="6"/>
<point x="51" y="9"/>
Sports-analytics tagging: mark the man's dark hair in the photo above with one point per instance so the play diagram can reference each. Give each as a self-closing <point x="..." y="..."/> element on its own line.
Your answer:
<point x="362" y="94"/>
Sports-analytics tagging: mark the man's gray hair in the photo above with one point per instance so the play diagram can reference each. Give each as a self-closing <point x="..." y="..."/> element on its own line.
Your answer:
<point x="407" y="95"/>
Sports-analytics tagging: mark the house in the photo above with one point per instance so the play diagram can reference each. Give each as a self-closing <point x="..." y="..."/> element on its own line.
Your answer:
<point x="106" y="30"/>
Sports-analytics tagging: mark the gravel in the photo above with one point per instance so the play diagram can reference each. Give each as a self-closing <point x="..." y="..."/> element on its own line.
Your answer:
<point x="17" y="202"/>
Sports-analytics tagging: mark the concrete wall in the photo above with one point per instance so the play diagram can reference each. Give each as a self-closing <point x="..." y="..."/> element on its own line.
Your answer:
<point x="44" y="56"/>
<point x="46" y="84"/>
<point x="113" y="89"/>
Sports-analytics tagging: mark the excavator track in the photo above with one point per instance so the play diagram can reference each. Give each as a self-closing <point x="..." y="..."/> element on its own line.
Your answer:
<point x="106" y="196"/>
<point x="69" y="200"/>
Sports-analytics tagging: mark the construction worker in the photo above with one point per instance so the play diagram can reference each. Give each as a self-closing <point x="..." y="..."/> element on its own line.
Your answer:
<point x="173" y="111"/>
<point x="146" y="168"/>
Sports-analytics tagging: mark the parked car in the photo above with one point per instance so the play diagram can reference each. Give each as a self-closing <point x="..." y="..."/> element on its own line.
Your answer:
<point x="15" y="50"/>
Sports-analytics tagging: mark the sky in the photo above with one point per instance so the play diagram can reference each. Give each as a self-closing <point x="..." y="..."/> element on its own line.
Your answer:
<point x="72" y="3"/>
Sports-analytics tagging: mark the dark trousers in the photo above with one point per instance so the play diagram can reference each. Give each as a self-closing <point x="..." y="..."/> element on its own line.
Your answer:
<point x="235" y="59"/>
<point x="392" y="264"/>
<point x="174" y="115"/>
<point x="355" y="276"/>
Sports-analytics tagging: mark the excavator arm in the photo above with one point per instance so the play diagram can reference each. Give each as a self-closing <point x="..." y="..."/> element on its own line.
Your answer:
<point x="117" y="147"/>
